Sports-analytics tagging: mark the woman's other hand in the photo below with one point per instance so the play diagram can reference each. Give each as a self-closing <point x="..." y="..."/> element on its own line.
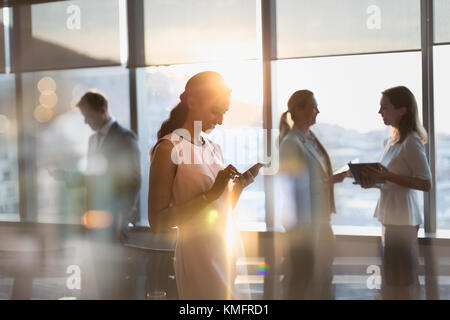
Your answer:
<point x="245" y="179"/>
<point x="221" y="182"/>
<point x="339" y="177"/>
<point x="380" y="172"/>
<point x="369" y="174"/>
<point x="366" y="182"/>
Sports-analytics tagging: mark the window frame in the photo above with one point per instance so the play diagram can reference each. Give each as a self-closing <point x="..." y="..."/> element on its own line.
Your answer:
<point x="267" y="37"/>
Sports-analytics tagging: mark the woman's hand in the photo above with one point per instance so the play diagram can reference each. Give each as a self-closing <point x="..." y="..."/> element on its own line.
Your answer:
<point x="405" y="181"/>
<point x="339" y="177"/>
<point x="245" y="179"/>
<point x="376" y="173"/>
<point x="221" y="182"/>
<point x="370" y="173"/>
<point x="366" y="182"/>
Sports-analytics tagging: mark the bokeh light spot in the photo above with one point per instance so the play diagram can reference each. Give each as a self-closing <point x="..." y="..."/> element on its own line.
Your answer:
<point x="43" y="114"/>
<point x="212" y="216"/>
<point x="46" y="84"/>
<point x="48" y="99"/>
<point x="96" y="219"/>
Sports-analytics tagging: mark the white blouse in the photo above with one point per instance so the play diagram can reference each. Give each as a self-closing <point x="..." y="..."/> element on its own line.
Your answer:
<point x="399" y="205"/>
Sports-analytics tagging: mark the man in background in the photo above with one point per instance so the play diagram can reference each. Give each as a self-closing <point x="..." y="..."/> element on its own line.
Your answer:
<point x="112" y="181"/>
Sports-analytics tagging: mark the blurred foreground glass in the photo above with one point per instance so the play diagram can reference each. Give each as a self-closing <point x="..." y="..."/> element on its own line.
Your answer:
<point x="9" y="178"/>
<point x="57" y="137"/>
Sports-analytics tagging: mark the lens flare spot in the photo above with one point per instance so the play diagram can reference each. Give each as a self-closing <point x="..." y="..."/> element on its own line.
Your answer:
<point x="96" y="219"/>
<point x="212" y="216"/>
<point x="262" y="268"/>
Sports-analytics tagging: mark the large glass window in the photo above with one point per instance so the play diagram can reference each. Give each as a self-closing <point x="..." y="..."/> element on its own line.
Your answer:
<point x="326" y="27"/>
<point x="199" y="31"/>
<point x="348" y="90"/>
<point x="241" y="137"/>
<point x="182" y="38"/>
<point x="441" y="21"/>
<point x="9" y="186"/>
<point x="70" y="34"/>
<point x="442" y="129"/>
<point x="2" y="43"/>
<point x="57" y="136"/>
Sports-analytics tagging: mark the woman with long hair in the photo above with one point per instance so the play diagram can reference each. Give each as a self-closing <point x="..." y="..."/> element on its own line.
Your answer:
<point x="305" y="162"/>
<point x="190" y="189"/>
<point x="404" y="168"/>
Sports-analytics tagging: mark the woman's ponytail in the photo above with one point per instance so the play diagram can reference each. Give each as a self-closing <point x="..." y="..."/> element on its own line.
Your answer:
<point x="176" y="119"/>
<point x="297" y="101"/>
<point x="284" y="126"/>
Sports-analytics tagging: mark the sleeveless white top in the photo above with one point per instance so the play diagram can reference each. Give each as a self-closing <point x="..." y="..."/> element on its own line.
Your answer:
<point x="208" y="244"/>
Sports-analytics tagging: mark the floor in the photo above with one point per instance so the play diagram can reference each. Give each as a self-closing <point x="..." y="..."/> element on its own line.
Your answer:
<point x="351" y="285"/>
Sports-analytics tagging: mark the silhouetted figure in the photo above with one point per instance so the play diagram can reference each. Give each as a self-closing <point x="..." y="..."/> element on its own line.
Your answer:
<point x="305" y="168"/>
<point x="190" y="188"/>
<point x="112" y="182"/>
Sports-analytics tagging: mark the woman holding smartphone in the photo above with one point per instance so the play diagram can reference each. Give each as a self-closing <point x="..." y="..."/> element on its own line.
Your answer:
<point x="190" y="189"/>
<point x="307" y="166"/>
<point x="404" y="168"/>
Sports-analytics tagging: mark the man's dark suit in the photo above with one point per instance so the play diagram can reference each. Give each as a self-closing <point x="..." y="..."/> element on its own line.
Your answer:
<point x="114" y="180"/>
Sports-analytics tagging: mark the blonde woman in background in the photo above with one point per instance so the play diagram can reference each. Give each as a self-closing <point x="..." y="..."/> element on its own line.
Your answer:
<point x="307" y="164"/>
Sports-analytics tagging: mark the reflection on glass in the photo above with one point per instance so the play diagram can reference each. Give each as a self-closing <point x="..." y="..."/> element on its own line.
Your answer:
<point x="70" y="34"/>
<point x="441" y="115"/>
<point x="240" y="136"/>
<point x="199" y="30"/>
<point x="328" y="27"/>
<point x="57" y="130"/>
<point x="9" y="188"/>
<point x="348" y="93"/>
<point x="441" y="22"/>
